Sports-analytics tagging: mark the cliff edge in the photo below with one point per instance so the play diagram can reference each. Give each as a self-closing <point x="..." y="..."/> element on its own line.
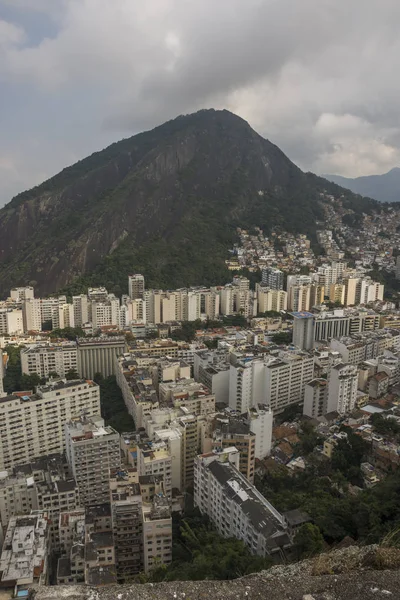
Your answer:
<point x="368" y="573"/>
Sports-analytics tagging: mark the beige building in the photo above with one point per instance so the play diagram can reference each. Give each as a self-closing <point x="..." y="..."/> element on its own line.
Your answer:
<point x="97" y="355"/>
<point x="32" y="426"/>
<point x="268" y="299"/>
<point x="157" y="533"/>
<point x="154" y="458"/>
<point x="337" y="293"/>
<point x="44" y="359"/>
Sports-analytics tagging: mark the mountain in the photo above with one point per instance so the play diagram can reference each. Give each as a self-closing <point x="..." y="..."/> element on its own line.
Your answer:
<point x="166" y="202"/>
<point x="385" y="188"/>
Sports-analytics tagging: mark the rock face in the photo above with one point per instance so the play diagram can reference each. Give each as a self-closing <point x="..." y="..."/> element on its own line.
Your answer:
<point x="350" y="574"/>
<point x="165" y="201"/>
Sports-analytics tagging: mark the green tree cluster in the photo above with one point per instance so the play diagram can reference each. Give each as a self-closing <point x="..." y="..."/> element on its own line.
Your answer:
<point x="113" y="409"/>
<point x="68" y="333"/>
<point x="385" y="425"/>
<point x="200" y="552"/>
<point x="14" y="380"/>
<point x="308" y="541"/>
<point x="282" y="338"/>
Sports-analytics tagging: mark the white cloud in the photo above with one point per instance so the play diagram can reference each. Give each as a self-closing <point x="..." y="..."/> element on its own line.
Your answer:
<point x="317" y="77"/>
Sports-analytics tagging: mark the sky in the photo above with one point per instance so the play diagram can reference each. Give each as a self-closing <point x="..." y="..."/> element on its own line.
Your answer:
<point x="319" y="78"/>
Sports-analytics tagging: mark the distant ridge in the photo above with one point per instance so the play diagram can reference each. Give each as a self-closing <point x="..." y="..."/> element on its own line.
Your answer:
<point x="385" y="188"/>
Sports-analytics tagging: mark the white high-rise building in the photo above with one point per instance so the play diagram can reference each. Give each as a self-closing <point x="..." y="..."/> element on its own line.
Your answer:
<point x="11" y="321"/>
<point x="235" y="506"/>
<point x="31" y="310"/>
<point x="136" y="286"/>
<point x="269" y="299"/>
<point x="168" y="308"/>
<point x="241" y="386"/>
<point x="285" y="379"/>
<point x="20" y="294"/>
<point x="136" y="311"/>
<point x="49" y="310"/>
<point x="32" y="426"/>
<point x="212" y="305"/>
<point x="272" y="278"/>
<point x="93" y="450"/>
<point x="303" y="330"/>
<point x="66" y="316"/>
<point x="371" y="291"/>
<point x="81" y="310"/>
<point x="226" y="303"/>
<point x="331" y="273"/>
<point x="261" y="420"/>
<point x="342" y="388"/>
<point x="44" y="359"/>
<point x="315" y="398"/>
<point x="153" y="299"/>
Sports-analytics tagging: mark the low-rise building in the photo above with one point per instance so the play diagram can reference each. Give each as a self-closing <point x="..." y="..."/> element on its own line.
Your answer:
<point x="24" y="556"/>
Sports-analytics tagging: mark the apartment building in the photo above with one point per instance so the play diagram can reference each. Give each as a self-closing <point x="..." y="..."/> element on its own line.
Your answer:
<point x="24" y="557"/>
<point x="154" y="458"/>
<point x="309" y="328"/>
<point x="270" y="299"/>
<point x="11" y="321"/>
<point x="126" y="510"/>
<point x="97" y="355"/>
<point x="211" y="368"/>
<point x="168" y="370"/>
<point x="66" y="316"/>
<point x="235" y="432"/>
<point x="136" y="286"/>
<point x="316" y="398"/>
<point x="46" y="358"/>
<point x="50" y="310"/>
<point x="188" y="393"/>
<point x="32" y="426"/>
<point x="235" y="506"/>
<point x="92" y="449"/>
<point x="71" y="564"/>
<point x="157" y="533"/>
<point x="285" y="379"/>
<point x="32" y="315"/>
<point x="342" y="388"/>
<point x="19" y="294"/>
<point x="272" y="278"/>
<point x="81" y="310"/>
<point x="366" y="346"/>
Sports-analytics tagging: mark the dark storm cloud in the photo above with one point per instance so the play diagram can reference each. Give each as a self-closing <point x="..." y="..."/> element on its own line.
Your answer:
<point x="317" y="77"/>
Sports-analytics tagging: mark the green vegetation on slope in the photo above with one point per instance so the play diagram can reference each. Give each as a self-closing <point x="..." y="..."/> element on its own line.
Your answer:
<point x="200" y="552"/>
<point x="165" y="203"/>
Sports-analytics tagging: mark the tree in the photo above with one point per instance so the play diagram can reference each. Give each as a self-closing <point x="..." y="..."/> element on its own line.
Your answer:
<point x="282" y="337"/>
<point x="54" y="375"/>
<point x="113" y="408"/>
<point x="308" y="541"/>
<point x="68" y="333"/>
<point x="200" y="552"/>
<point x="72" y="374"/>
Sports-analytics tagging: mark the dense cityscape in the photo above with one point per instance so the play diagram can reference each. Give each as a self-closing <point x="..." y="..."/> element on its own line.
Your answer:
<point x="122" y="417"/>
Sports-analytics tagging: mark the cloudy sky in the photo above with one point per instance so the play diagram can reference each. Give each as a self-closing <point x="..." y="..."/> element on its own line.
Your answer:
<point x="320" y="78"/>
